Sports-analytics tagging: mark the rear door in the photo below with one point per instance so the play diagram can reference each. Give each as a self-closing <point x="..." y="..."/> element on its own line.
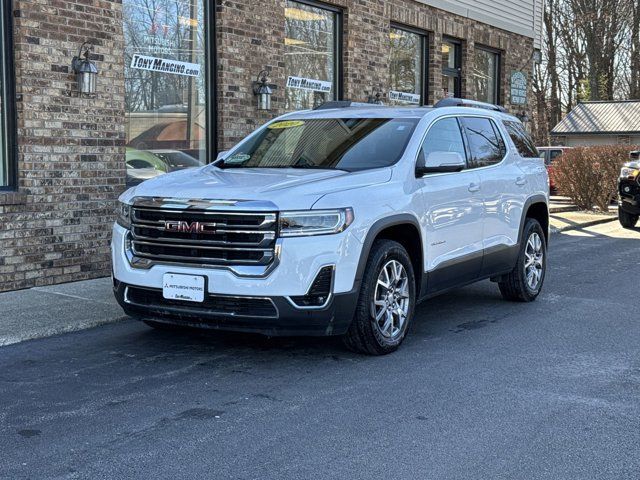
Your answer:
<point x="453" y="212"/>
<point x="503" y="192"/>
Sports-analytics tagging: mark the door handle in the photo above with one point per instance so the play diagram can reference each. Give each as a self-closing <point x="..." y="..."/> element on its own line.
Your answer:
<point x="520" y="181"/>
<point x="474" y="187"/>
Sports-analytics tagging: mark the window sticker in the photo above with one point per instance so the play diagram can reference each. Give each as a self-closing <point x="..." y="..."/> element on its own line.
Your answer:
<point x="285" y="124"/>
<point x="309" y="84"/>
<point x="163" y="65"/>
<point x="412" y="98"/>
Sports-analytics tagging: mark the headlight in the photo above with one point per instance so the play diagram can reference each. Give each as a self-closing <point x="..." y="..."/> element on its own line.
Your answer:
<point x="123" y="217"/>
<point x="315" y="222"/>
<point x="629" y="172"/>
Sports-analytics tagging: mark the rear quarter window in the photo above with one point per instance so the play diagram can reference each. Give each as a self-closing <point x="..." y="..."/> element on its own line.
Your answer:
<point x="521" y="139"/>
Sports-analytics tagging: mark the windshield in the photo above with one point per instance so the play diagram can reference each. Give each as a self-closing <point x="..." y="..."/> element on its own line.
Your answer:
<point x="332" y="143"/>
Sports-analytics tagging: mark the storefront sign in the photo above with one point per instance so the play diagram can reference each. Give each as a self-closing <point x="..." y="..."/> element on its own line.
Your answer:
<point x="309" y="84"/>
<point x="162" y="65"/>
<point x="404" y="97"/>
<point x="518" y="88"/>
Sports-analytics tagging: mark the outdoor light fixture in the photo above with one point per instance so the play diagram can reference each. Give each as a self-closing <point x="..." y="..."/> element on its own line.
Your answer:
<point x="263" y="90"/>
<point x="86" y="71"/>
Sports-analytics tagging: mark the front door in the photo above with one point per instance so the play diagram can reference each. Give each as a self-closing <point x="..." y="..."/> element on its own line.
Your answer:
<point x="453" y="213"/>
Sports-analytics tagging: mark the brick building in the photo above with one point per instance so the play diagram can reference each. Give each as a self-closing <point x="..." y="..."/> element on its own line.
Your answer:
<point x="176" y="84"/>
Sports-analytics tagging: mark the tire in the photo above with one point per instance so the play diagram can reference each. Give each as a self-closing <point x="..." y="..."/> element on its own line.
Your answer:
<point x="627" y="220"/>
<point x="516" y="285"/>
<point x="366" y="335"/>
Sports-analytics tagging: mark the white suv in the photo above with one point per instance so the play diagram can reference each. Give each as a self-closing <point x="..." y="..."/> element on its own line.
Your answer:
<point x="338" y="221"/>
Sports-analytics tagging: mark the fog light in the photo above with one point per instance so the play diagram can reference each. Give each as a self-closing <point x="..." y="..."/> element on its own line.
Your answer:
<point x="319" y="293"/>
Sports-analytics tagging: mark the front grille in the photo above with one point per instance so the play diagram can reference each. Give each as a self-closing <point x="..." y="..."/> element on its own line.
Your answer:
<point x="213" y="305"/>
<point x="211" y="237"/>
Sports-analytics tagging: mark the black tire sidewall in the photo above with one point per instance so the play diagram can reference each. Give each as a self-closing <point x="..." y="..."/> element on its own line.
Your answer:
<point x="627" y="220"/>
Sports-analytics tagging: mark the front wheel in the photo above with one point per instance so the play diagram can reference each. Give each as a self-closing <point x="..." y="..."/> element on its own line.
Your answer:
<point x="627" y="220"/>
<point x="386" y="302"/>
<point x="524" y="282"/>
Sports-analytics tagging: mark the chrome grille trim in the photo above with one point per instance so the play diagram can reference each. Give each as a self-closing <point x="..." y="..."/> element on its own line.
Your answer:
<point x="222" y="237"/>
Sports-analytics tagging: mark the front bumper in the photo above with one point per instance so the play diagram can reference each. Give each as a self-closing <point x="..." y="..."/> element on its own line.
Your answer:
<point x="272" y="316"/>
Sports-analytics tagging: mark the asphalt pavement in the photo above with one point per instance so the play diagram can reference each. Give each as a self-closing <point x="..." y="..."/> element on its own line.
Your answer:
<point x="481" y="389"/>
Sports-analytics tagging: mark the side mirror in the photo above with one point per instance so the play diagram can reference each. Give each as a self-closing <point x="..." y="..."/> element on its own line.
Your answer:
<point x="221" y="155"/>
<point x="441" y="162"/>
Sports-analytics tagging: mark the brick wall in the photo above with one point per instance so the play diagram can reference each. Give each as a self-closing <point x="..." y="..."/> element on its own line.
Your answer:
<point x="251" y="39"/>
<point x="56" y="228"/>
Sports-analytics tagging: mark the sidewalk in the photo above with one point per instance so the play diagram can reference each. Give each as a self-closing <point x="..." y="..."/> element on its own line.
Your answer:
<point x="44" y="311"/>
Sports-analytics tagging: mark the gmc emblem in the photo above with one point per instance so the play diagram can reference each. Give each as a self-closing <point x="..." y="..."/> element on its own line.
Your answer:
<point x="188" y="227"/>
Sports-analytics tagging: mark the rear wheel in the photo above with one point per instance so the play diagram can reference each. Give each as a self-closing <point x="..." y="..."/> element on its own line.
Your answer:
<point x="524" y="282"/>
<point x="627" y="220"/>
<point x="386" y="302"/>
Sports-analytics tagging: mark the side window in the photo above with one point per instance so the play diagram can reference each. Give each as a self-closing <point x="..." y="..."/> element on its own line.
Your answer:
<point x="553" y="154"/>
<point x="444" y="136"/>
<point x="521" y="139"/>
<point x="486" y="145"/>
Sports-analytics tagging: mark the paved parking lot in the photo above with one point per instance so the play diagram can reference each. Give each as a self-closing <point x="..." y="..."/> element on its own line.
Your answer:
<point x="482" y="388"/>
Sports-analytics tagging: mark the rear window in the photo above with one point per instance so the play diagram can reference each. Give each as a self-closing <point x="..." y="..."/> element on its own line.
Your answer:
<point x="332" y="143"/>
<point x="521" y="139"/>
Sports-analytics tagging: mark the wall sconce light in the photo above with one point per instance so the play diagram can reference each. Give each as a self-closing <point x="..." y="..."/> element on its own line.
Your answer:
<point x="86" y="71"/>
<point x="263" y="90"/>
<point x="375" y="98"/>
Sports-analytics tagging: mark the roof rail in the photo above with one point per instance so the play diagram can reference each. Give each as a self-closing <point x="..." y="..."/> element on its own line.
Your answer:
<point x="463" y="102"/>
<point x="344" y="104"/>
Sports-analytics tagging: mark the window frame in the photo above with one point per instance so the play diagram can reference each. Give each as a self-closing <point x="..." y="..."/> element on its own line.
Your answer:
<point x="338" y="47"/>
<point x="457" y="70"/>
<point x="8" y="118"/>
<point x="424" y="57"/>
<point x="498" y="69"/>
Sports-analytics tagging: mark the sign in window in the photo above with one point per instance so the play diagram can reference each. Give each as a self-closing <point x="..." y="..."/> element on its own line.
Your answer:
<point x="407" y="67"/>
<point x="165" y="87"/>
<point x="311" y="60"/>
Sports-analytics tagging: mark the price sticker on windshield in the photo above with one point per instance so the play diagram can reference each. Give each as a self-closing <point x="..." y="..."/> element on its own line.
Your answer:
<point x="285" y="124"/>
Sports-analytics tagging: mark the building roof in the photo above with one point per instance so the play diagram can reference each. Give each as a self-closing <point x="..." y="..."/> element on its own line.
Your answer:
<point x="621" y="117"/>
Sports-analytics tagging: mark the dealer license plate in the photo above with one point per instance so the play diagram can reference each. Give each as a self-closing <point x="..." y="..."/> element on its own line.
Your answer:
<point x="189" y="288"/>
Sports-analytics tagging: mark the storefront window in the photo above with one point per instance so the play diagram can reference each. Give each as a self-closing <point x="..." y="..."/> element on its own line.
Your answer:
<point x="485" y="75"/>
<point x="4" y="127"/>
<point x="165" y="88"/>
<point x="311" y="55"/>
<point x="451" y="68"/>
<point x="407" y="67"/>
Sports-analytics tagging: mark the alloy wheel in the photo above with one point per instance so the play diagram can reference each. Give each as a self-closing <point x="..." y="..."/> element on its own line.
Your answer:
<point x="391" y="299"/>
<point x="534" y="261"/>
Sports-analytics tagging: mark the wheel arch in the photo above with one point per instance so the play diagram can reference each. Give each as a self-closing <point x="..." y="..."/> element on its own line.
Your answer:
<point x="404" y="229"/>
<point x="536" y="207"/>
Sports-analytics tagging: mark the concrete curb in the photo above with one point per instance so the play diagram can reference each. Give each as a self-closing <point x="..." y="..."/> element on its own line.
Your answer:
<point x="583" y="225"/>
<point x="568" y="208"/>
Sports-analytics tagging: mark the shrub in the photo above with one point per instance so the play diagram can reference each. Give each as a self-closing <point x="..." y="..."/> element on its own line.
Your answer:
<point x="589" y="175"/>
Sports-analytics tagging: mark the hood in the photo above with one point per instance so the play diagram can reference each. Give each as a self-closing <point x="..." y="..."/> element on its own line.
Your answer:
<point x="287" y="189"/>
